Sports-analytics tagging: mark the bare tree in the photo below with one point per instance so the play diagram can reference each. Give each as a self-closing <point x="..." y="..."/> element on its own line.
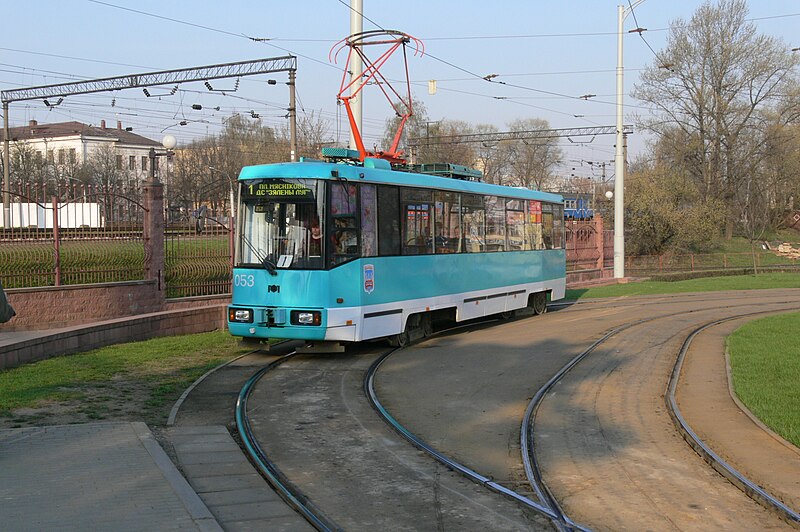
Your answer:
<point x="531" y="162"/>
<point x="711" y="91"/>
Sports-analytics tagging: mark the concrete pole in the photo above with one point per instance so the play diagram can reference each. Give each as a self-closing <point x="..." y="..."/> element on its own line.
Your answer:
<point x="356" y="67"/>
<point x="619" y="162"/>
<point x="292" y="119"/>
<point x="6" y="165"/>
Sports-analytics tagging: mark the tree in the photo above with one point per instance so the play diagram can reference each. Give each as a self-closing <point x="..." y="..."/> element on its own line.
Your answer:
<point x="530" y="162"/>
<point x="711" y="92"/>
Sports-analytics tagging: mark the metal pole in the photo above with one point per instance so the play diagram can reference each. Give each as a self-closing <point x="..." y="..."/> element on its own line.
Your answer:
<point x="152" y="155"/>
<point x="292" y="119"/>
<point x="356" y="68"/>
<point x="6" y="165"/>
<point x="619" y="163"/>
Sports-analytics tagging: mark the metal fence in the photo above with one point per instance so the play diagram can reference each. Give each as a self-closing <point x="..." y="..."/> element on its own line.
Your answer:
<point x="72" y="235"/>
<point x="199" y="251"/>
<point x="83" y="234"/>
<point x="694" y="262"/>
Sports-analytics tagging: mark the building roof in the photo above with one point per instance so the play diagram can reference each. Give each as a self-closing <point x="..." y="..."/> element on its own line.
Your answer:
<point x="36" y="131"/>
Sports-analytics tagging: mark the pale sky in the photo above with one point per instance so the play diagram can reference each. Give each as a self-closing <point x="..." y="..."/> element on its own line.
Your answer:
<point x="552" y="51"/>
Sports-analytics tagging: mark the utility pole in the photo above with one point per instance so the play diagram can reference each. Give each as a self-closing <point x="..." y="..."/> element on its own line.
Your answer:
<point x="356" y="68"/>
<point x="619" y="164"/>
<point x="292" y="118"/>
<point x="620" y="153"/>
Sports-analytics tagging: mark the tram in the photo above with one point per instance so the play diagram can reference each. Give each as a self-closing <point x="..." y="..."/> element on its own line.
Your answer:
<point x="343" y="250"/>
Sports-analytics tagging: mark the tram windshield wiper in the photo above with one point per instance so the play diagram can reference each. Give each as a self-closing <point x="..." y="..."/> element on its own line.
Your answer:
<point x="268" y="265"/>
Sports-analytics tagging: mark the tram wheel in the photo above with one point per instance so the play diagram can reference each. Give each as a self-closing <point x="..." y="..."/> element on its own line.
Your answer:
<point x="539" y="303"/>
<point x="398" y="340"/>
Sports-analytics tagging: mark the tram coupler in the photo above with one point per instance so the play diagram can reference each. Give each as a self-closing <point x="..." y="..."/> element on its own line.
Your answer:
<point x="315" y="348"/>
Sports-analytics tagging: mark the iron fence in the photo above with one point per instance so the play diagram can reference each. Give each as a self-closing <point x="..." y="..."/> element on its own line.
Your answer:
<point x="78" y="234"/>
<point x="198" y="254"/>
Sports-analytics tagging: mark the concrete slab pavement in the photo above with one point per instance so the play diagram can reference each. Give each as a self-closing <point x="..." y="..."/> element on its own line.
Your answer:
<point x="96" y="476"/>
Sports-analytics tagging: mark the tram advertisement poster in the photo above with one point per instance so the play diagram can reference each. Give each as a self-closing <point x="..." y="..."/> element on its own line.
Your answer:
<point x="369" y="278"/>
<point x="278" y="190"/>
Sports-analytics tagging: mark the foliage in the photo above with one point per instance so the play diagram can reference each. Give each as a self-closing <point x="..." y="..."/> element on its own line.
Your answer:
<point x="715" y="92"/>
<point x="665" y="213"/>
<point x="765" y="369"/>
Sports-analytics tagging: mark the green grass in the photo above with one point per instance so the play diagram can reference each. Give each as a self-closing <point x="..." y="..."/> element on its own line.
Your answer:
<point x="707" y="284"/>
<point x="765" y="366"/>
<point x="139" y="379"/>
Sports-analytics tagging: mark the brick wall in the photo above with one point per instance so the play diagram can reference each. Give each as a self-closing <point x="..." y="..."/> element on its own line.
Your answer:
<point x="83" y="338"/>
<point x="62" y="306"/>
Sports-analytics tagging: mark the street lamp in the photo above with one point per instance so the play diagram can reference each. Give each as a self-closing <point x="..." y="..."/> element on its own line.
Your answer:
<point x="619" y="156"/>
<point x="169" y="142"/>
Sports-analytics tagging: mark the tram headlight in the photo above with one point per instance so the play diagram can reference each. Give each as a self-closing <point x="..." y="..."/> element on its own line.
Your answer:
<point x="242" y="315"/>
<point x="306" y="317"/>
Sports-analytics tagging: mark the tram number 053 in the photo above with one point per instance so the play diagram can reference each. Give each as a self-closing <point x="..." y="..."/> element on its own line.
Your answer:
<point x="244" y="280"/>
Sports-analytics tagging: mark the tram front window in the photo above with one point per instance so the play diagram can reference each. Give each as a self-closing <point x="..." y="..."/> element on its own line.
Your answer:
<point x="281" y="225"/>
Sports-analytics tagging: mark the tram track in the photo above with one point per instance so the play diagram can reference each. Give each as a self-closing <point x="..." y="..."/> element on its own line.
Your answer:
<point x="749" y="487"/>
<point x="547" y="505"/>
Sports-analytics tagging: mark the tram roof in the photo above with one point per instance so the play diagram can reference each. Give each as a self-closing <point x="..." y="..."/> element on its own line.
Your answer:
<point x="323" y="170"/>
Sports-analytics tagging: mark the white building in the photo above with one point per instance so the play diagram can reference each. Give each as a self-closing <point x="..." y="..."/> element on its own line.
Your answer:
<point x="73" y="143"/>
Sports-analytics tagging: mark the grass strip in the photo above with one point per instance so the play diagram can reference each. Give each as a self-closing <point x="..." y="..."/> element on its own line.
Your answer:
<point x="765" y="367"/>
<point x="707" y="284"/>
<point x="138" y="380"/>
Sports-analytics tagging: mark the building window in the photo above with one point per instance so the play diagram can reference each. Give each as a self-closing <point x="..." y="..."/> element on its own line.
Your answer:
<point x="144" y="163"/>
<point x="62" y="156"/>
<point x="72" y="155"/>
<point x="119" y="162"/>
<point x="132" y="162"/>
<point x="51" y="158"/>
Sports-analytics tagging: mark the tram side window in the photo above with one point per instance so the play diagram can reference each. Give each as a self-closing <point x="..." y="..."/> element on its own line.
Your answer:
<point x="515" y="225"/>
<point x="547" y="225"/>
<point x="388" y="221"/>
<point x="495" y="223"/>
<point x="369" y="215"/>
<point x="474" y="220"/>
<point x="343" y="226"/>
<point x="447" y="222"/>
<point x="533" y="226"/>
<point x="416" y="206"/>
<point x="558" y="227"/>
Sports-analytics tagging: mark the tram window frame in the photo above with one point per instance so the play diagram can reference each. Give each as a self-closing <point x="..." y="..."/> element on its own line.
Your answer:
<point x="473" y="223"/>
<point x="547" y="225"/>
<point x="368" y="205"/>
<point x="495" y="239"/>
<point x="558" y="227"/>
<point x="388" y="220"/>
<point x="515" y="225"/>
<point x="447" y="208"/>
<point x="416" y="239"/>
<point x="343" y="228"/>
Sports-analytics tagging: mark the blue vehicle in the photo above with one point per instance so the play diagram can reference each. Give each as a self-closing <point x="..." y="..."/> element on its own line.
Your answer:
<point x="578" y="206"/>
<point x="332" y="252"/>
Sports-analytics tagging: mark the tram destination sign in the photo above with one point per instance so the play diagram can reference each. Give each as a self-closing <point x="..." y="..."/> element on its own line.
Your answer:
<point x="278" y="190"/>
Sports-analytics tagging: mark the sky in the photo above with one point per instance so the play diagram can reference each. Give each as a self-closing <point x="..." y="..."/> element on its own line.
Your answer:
<point x="552" y="52"/>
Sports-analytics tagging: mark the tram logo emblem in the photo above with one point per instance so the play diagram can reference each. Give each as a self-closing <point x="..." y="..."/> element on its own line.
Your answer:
<point x="369" y="278"/>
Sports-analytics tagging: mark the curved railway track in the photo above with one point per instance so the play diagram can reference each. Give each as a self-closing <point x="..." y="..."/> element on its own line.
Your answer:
<point x="547" y="505"/>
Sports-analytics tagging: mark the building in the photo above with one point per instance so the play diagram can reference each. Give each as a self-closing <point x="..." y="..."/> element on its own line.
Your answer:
<point x="73" y="143"/>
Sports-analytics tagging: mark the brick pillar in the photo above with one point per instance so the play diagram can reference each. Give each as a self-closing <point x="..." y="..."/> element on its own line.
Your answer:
<point x="154" y="233"/>
<point x="600" y="241"/>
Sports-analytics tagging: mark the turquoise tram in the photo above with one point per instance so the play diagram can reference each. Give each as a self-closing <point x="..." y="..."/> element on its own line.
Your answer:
<point x="342" y="251"/>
